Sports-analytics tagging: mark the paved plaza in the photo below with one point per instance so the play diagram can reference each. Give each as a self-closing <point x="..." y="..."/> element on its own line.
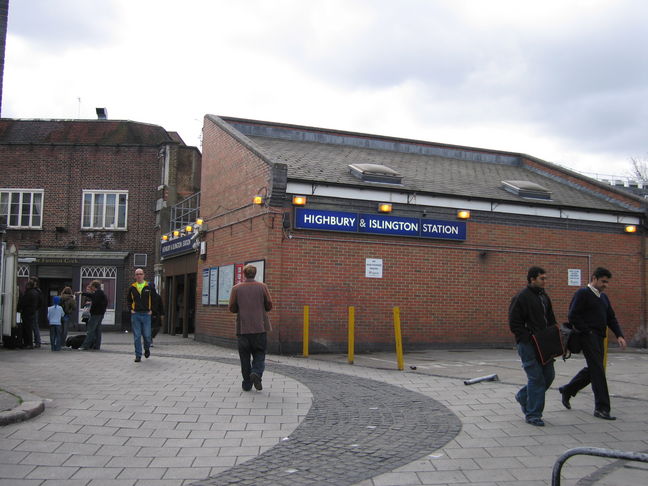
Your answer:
<point x="181" y="418"/>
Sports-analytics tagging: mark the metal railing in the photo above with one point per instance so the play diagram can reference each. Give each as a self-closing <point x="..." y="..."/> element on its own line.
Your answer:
<point x="185" y="212"/>
<point x="593" y="451"/>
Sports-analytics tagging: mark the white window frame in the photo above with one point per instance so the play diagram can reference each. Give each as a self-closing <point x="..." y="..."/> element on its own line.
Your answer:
<point x="137" y="256"/>
<point x="103" y="213"/>
<point x="103" y="274"/>
<point x="5" y="211"/>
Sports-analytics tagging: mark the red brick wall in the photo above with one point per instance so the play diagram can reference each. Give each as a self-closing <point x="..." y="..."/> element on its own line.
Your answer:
<point x="64" y="172"/>
<point x="237" y="230"/>
<point x="448" y="292"/>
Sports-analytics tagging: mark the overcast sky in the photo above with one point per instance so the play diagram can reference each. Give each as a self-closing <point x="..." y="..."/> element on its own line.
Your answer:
<point x="565" y="81"/>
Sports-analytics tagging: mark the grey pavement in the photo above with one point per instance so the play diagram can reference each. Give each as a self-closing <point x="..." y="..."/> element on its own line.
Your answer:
<point x="181" y="418"/>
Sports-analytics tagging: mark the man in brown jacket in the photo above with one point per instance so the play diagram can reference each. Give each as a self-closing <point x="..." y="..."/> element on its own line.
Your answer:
<point x="251" y="301"/>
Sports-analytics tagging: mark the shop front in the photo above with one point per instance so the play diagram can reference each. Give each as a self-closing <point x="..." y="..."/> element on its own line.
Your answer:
<point x="57" y="269"/>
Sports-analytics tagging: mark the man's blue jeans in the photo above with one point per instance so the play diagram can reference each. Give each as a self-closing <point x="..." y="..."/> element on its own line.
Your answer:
<point x="141" y="325"/>
<point x="539" y="376"/>
<point x="252" y="346"/>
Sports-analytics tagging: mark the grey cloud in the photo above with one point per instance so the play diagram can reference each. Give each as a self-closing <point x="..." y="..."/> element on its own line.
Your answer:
<point x="60" y="24"/>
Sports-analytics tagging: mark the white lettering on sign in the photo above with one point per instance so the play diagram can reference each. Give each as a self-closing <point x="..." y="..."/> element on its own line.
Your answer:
<point x="393" y="225"/>
<point x="445" y="229"/>
<point x="332" y="220"/>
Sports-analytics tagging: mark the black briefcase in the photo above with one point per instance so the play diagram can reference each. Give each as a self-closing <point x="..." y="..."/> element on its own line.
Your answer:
<point x="548" y="343"/>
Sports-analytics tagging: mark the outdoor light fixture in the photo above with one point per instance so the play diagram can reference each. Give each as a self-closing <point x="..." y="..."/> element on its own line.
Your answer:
<point x="176" y="233"/>
<point x="631" y="228"/>
<point x="165" y="237"/>
<point x="299" y="200"/>
<point x="188" y="228"/>
<point x="199" y="221"/>
<point x="385" y="207"/>
<point x="257" y="200"/>
<point x="463" y="214"/>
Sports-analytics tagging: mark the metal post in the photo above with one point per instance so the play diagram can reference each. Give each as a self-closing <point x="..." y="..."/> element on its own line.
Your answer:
<point x="173" y="293"/>
<point x="351" y="335"/>
<point x="593" y="451"/>
<point x="185" y="310"/>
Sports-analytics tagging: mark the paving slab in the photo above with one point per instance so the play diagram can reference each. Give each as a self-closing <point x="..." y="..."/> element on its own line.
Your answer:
<point x="182" y="414"/>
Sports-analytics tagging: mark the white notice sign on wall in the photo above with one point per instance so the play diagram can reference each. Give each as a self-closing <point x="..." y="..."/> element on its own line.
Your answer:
<point x="374" y="268"/>
<point x="574" y="277"/>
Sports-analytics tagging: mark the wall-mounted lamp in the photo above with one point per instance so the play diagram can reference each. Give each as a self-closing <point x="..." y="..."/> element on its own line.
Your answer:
<point x="165" y="237"/>
<point x="385" y="208"/>
<point x="189" y="228"/>
<point x="463" y="214"/>
<point x="176" y="233"/>
<point x="631" y="228"/>
<point x="257" y="200"/>
<point x="299" y="200"/>
<point x="199" y="222"/>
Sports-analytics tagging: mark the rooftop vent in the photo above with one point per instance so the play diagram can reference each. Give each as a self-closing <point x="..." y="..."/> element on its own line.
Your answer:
<point x="375" y="173"/>
<point x="102" y="113"/>
<point x="527" y="189"/>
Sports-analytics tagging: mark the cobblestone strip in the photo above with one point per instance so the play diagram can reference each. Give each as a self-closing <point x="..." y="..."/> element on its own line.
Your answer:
<point x="356" y="429"/>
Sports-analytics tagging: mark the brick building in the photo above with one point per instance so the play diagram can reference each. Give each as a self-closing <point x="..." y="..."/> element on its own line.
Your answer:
<point x="86" y="199"/>
<point x="452" y="278"/>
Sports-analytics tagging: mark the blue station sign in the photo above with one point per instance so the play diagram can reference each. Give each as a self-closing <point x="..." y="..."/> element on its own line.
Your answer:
<point x="177" y="246"/>
<point x="379" y="224"/>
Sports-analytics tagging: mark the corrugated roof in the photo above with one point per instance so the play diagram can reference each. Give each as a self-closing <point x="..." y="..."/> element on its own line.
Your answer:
<point x="95" y="132"/>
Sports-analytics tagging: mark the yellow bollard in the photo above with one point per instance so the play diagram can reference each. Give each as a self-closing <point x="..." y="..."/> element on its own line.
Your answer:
<point x="305" y="336"/>
<point x="399" y="340"/>
<point x="351" y="335"/>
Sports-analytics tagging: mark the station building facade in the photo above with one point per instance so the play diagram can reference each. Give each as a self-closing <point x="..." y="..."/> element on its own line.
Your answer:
<point x="445" y="233"/>
<point x="86" y="199"/>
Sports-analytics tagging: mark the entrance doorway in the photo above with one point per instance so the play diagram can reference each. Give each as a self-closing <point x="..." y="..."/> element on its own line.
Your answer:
<point x="181" y="304"/>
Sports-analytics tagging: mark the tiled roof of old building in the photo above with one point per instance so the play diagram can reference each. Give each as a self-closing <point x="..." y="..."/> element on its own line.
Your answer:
<point x="95" y="132"/>
<point x="323" y="156"/>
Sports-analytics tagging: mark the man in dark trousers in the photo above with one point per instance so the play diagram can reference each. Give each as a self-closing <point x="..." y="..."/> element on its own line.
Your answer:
<point x="28" y="306"/>
<point x="531" y="311"/>
<point x="251" y="301"/>
<point x="141" y="299"/>
<point x="41" y="317"/>
<point x="591" y="313"/>
<point x="97" y="312"/>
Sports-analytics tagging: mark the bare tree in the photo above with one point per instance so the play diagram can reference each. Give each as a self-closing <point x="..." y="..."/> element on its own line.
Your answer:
<point x="639" y="168"/>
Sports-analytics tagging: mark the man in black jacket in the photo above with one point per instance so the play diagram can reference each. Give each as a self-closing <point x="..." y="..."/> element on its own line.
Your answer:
<point x="531" y="311"/>
<point x="28" y="306"/>
<point x="591" y="313"/>
<point x="141" y="299"/>
<point x="97" y="311"/>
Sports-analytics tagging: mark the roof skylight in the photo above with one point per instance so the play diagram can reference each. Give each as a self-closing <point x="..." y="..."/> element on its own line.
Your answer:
<point x="375" y="173"/>
<point x="527" y="189"/>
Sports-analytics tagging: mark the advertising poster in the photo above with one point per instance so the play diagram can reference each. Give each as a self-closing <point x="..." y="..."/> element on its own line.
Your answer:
<point x="225" y="283"/>
<point x="205" y="287"/>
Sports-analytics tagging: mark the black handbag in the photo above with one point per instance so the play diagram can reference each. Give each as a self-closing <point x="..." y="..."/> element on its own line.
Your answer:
<point x="570" y="336"/>
<point x="548" y="343"/>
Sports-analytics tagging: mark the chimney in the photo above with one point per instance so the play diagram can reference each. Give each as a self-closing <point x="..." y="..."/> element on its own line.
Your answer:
<point x="102" y="113"/>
